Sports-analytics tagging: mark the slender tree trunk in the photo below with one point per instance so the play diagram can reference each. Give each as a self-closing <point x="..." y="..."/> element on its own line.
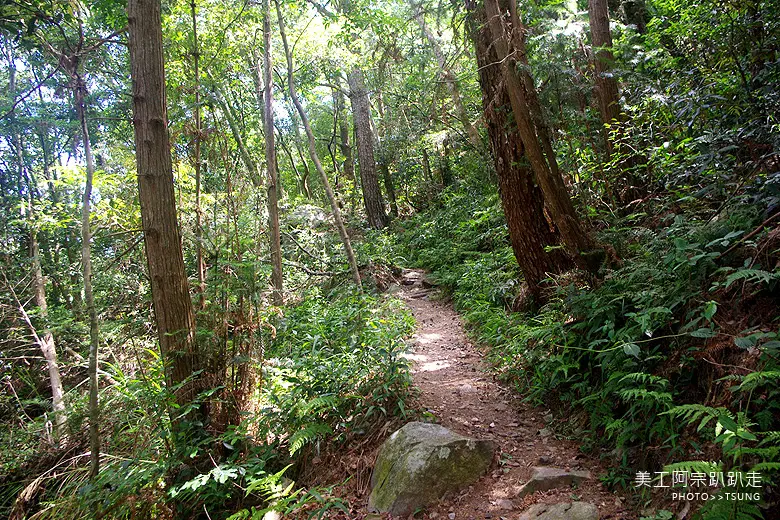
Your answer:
<point x="372" y="194"/>
<point x="170" y="290"/>
<point x="251" y="166"/>
<point x="198" y="163"/>
<point x="521" y="198"/>
<point x="387" y="177"/>
<point x="506" y="33"/>
<point x="270" y="158"/>
<point x="449" y="78"/>
<point x="313" y="153"/>
<point x="86" y="264"/>
<point x="48" y="347"/>
<point x="344" y="145"/>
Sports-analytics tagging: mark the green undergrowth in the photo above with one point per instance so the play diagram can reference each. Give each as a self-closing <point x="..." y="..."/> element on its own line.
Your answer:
<point x="330" y="370"/>
<point x="669" y="360"/>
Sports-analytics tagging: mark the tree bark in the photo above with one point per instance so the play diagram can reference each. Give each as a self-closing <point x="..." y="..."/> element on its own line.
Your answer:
<point x="449" y="79"/>
<point x="521" y="199"/>
<point x="271" y="167"/>
<point x="315" y="157"/>
<point x="170" y="290"/>
<point x="506" y="33"/>
<point x="86" y="264"/>
<point x="607" y="92"/>
<point x="372" y="194"/>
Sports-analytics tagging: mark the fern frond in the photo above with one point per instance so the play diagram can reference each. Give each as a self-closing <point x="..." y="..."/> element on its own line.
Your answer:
<point x="307" y="434"/>
<point x="319" y="404"/>
<point x="766" y="467"/>
<point x="641" y="394"/>
<point x="756" y="379"/>
<point x="690" y="413"/>
<point x="645" y="379"/>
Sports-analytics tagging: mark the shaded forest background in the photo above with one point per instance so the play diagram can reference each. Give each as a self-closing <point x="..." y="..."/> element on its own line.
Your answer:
<point x="196" y="261"/>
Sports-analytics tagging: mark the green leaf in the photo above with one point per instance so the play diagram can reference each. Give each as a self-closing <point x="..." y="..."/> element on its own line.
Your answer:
<point x="745" y="342"/>
<point x="728" y="423"/>
<point x="631" y="349"/>
<point x="710" y="309"/>
<point x="703" y="333"/>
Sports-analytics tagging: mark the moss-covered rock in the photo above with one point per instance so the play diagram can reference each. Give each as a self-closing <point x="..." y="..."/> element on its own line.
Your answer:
<point x="421" y="462"/>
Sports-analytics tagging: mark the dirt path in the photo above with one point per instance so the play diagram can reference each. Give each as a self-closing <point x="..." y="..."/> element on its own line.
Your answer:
<point x="458" y="390"/>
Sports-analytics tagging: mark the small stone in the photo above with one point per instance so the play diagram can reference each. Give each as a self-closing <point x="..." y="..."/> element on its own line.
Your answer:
<point x="567" y="510"/>
<point x="545" y="432"/>
<point x="505" y="505"/>
<point x="548" y="417"/>
<point x="492" y="425"/>
<point x="451" y="516"/>
<point x="433" y="515"/>
<point x="544" y="459"/>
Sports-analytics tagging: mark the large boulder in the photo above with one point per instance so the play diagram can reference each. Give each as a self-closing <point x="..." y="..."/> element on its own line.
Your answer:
<point x="420" y="463"/>
<point x="562" y="511"/>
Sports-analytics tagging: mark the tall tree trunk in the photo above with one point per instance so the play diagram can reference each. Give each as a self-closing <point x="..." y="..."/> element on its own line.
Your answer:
<point x="48" y="347"/>
<point x="345" y="146"/>
<point x="607" y="92"/>
<point x="313" y="154"/>
<point x="170" y="290"/>
<point x="506" y="32"/>
<point x="198" y="163"/>
<point x="449" y="78"/>
<point x="361" y="113"/>
<point x="86" y="264"/>
<point x="608" y="96"/>
<point x="270" y="158"/>
<point x="521" y="198"/>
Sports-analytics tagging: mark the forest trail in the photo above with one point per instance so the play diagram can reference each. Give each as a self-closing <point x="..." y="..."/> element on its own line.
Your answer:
<point x="457" y="388"/>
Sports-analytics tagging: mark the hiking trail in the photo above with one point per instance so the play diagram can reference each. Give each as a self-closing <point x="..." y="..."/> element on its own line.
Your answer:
<point x="457" y="388"/>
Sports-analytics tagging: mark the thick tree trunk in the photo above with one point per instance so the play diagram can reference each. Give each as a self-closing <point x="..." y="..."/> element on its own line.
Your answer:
<point x="170" y="290"/>
<point x="270" y="158"/>
<point x="506" y="33"/>
<point x="449" y="79"/>
<point x="521" y="198"/>
<point x="89" y="298"/>
<point x="315" y="158"/>
<point x="361" y="113"/>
